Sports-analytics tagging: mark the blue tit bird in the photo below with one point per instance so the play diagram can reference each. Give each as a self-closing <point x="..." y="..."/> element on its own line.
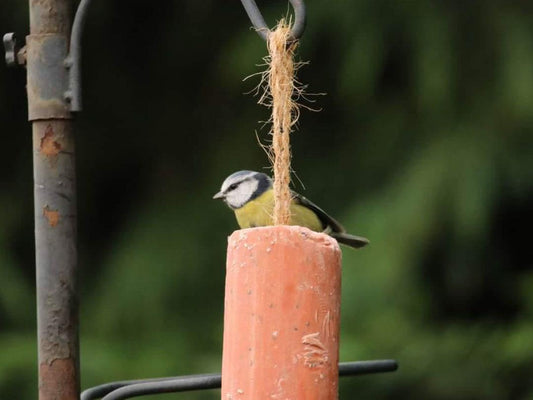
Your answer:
<point x="250" y="195"/>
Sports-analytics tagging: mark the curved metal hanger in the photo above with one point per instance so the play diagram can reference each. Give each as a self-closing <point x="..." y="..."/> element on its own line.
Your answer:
<point x="262" y="28"/>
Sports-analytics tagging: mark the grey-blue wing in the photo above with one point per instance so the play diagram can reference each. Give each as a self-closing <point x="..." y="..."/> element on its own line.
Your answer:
<point x="327" y="220"/>
<point x="333" y="227"/>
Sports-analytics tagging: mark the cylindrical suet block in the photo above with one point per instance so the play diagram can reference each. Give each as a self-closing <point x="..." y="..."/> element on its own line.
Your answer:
<point x="282" y="313"/>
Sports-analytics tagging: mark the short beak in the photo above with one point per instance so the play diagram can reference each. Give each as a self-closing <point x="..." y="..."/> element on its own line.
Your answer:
<point x="219" y="195"/>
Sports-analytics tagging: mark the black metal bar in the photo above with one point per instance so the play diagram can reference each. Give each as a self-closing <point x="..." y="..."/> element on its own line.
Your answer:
<point x="127" y="389"/>
<point x="262" y="28"/>
<point x="99" y="391"/>
<point x="180" y="384"/>
<point x="55" y="200"/>
<point x="367" y="367"/>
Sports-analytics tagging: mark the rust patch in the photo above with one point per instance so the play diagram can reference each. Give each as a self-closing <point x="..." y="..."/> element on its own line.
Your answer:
<point x="49" y="147"/>
<point x="51" y="215"/>
<point x="58" y="380"/>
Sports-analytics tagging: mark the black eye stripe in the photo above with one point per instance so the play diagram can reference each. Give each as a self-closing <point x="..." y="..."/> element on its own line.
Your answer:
<point x="235" y="185"/>
<point x="232" y="186"/>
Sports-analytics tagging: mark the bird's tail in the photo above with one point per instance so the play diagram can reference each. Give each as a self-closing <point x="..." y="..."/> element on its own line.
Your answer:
<point x="350" y="240"/>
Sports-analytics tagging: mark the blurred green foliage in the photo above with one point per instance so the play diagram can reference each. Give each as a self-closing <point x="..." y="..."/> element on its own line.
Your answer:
<point x="424" y="145"/>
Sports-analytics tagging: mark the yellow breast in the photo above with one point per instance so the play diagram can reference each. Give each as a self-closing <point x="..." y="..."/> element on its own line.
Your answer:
<point x="258" y="212"/>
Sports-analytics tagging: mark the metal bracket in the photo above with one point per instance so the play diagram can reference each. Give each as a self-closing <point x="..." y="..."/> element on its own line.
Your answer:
<point x="72" y="62"/>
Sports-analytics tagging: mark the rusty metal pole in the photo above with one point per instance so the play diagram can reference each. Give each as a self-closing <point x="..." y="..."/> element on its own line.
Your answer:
<point x="55" y="200"/>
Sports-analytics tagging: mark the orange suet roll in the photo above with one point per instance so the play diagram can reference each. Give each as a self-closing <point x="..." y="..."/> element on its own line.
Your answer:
<point x="282" y="312"/>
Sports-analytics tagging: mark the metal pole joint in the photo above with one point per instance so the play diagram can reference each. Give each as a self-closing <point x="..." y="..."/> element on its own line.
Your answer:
<point x="64" y="61"/>
<point x="47" y="76"/>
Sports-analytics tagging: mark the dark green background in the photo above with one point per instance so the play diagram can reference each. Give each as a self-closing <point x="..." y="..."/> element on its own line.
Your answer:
<point x="424" y="145"/>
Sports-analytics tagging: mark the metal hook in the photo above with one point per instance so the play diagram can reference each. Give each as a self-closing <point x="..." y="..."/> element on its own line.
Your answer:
<point x="262" y="28"/>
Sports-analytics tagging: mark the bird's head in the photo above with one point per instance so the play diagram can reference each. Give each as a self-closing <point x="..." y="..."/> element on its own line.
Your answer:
<point x="242" y="186"/>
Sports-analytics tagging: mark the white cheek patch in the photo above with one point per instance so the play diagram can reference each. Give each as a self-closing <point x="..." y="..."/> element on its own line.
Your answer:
<point x="240" y="196"/>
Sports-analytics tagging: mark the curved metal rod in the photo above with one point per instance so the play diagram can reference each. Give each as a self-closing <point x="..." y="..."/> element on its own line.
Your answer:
<point x="73" y="61"/>
<point x="100" y="391"/>
<point x="262" y="28"/>
<point x="181" y="384"/>
<point x="127" y="389"/>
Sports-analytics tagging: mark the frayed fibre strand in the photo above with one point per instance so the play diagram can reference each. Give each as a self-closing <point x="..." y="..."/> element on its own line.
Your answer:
<point x="280" y="93"/>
